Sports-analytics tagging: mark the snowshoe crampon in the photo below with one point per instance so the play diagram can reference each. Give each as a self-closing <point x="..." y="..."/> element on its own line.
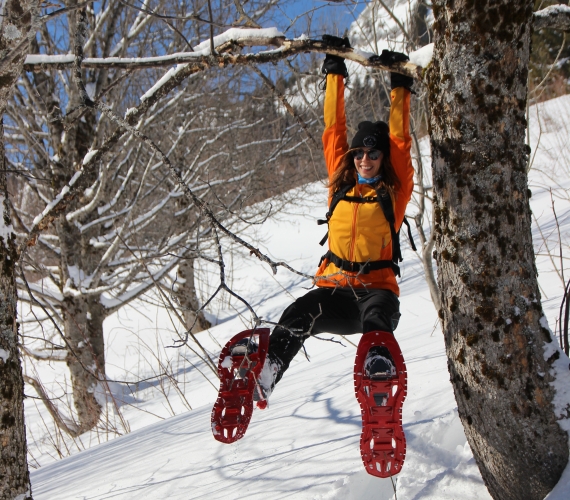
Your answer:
<point x="238" y="377"/>
<point x="382" y="442"/>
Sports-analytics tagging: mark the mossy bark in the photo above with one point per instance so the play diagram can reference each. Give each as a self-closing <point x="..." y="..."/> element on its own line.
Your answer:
<point x="491" y="311"/>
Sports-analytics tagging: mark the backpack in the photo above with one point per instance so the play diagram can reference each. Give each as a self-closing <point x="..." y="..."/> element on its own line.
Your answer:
<point x="384" y="199"/>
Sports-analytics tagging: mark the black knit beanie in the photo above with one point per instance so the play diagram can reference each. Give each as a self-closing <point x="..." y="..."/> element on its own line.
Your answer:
<point x="372" y="135"/>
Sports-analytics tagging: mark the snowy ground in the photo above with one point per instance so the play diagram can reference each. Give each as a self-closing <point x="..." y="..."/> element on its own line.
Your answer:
<point x="306" y="444"/>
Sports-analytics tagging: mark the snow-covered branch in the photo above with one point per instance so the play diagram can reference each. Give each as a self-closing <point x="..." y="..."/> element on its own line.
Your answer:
<point x="225" y="44"/>
<point x="555" y="17"/>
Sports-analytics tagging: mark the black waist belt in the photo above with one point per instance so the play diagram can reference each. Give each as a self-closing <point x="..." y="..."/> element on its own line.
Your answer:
<point x="360" y="267"/>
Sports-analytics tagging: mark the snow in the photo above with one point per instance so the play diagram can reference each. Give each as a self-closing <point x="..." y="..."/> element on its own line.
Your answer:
<point x="306" y="444"/>
<point x="238" y="34"/>
<point x="4" y="355"/>
<point x="5" y="230"/>
<point x="423" y="56"/>
<point x="553" y="10"/>
<point x="227" y="362"/>
<point x="49" y="59"/>
<point x="90" y="154"/>
<point x="58" y="198"/>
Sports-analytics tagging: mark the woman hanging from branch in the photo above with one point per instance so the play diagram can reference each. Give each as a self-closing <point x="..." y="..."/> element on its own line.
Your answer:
<point x="356" y="283"/>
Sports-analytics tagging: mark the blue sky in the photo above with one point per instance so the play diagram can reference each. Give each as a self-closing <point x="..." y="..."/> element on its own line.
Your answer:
<point x="322" y="17"/>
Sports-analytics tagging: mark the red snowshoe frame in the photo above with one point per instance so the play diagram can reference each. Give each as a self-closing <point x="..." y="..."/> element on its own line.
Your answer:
<point x="233" y="408"/>
<point x="382" y="442"/>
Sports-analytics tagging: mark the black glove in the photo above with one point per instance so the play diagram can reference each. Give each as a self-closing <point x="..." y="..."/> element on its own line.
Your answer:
<point x="389" y="57"/>
<point x="399" y="80"/>
<point x="335" y="64"/>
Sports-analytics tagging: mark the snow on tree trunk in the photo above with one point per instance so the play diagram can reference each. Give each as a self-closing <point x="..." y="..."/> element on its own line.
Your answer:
<point x="188" y="299"/>
<point x="83" y="322"/>
<point x="491" y="311"/>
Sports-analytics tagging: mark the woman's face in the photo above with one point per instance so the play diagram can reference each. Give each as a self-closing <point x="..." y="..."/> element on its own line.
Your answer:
<point x="365" y="166"/>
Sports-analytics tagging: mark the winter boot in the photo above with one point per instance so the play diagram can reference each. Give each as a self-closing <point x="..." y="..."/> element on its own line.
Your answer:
<point x="243" y="347"/>
<point x="266" y="381"/>
<point x="379" y="364"/>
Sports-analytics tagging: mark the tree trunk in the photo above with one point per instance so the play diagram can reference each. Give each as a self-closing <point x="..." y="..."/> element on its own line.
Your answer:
<point x="14" y="475"/>
<point x="194" y="320"/>
<point x="86" y="360"/>
<point x="16" y="26"/>
<point x="491" y="311"/>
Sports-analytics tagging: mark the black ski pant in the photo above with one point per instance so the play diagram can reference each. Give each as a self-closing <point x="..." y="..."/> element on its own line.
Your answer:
<point x="334" y="310"/>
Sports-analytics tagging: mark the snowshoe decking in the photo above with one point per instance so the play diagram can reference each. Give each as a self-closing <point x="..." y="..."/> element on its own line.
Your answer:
<point x="238" y="376"/>
<point x="382" y="442"/>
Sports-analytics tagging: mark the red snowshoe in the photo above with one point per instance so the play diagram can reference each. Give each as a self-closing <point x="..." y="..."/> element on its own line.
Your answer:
<point x="238" y="377"/>
<point x="382" y="442"/>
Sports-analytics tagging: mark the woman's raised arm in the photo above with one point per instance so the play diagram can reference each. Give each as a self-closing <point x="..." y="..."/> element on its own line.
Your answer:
<point x="335" y="143"/>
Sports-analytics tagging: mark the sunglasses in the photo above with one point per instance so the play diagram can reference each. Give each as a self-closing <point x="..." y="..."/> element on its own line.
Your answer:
<point x="373" y="154"/>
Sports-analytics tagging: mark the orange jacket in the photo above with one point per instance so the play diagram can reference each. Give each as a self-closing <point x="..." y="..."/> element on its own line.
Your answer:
<point x="359" y="232"/>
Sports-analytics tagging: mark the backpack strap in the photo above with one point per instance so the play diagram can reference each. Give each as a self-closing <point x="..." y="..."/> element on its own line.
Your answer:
<point x="410" y="237"/>
<point x="385" y="201"/>
<point x="360" y="267"/>
<point x="337" y="196"/>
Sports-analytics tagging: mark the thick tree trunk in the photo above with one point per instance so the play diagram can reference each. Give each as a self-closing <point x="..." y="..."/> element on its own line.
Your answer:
<point x="491" y="311"/>
<point x="86" y="362"/>
<point x="194" y="320"/>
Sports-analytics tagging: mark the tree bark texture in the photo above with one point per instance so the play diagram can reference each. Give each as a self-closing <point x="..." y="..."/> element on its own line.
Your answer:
<point x="491" y="312"/>
<point x="83" y="322"/>
<point x="16" y="28"/>
<point x="83" y="316"/>
<point x="14" y="475"/>
<point x="194" y="320"/>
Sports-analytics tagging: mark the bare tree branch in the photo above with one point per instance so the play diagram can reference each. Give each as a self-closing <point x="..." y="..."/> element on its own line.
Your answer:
<point x="242" y="13"/>
<point x="202" y="60"/>
<point x="63" y="423"/>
